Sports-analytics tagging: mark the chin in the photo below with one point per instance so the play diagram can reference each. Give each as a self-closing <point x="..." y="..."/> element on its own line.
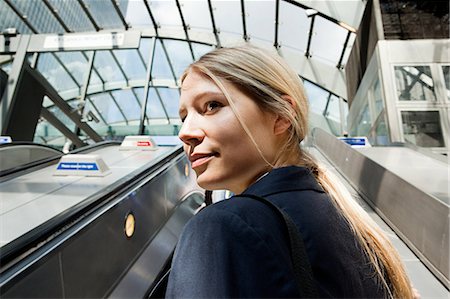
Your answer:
<point x="209" y="183"/>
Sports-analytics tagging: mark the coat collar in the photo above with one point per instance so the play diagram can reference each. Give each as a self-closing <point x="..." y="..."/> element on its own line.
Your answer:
<point x="290" y="178"/>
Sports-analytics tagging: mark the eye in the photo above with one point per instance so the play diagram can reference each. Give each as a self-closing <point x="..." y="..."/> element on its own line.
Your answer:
<point x="212" y="105"/>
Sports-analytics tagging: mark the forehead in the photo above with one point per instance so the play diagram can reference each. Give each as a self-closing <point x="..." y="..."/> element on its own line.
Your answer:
<point x="196" y="82"/>
<point x="196" y="85"/>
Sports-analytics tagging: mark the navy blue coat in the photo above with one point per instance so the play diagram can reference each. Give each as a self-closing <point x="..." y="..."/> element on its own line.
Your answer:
<point x="239" y="247"/>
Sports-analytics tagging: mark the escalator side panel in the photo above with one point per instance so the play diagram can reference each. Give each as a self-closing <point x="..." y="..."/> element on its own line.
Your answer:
<point x="95" y="255"/>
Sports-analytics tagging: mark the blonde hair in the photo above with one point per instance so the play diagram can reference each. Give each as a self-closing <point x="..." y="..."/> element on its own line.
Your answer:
<point x="267" y="79"/>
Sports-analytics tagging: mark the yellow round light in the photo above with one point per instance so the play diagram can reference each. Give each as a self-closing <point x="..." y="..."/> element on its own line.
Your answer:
<point x="130" y="225"/>
<point x="186" y="170"/>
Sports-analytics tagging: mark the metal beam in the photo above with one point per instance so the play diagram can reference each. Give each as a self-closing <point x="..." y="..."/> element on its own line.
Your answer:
<point x="54" y="121"/>
<point x="213" y="22"/>
<point x="185" y="28"/>
<point x="119" y="12"/>
<point x="96" y="109"/>
<point x="277" y="16"/>
<point x="168" y="60"/>
<point x="135" y="96"/>
<point x="327" y="17"/>
<point x="73" y="115"/>
<point x="13" y="78"/>
<point x="119" y="66"/>
<point x="85" y="8"/>
<point x="155" y="25"/>
<point x="148" y="79"/>
<point x="21" y="16"/>
<point x="54" y="12"/>
<point x="88" y="77"/>
<point x="324" y="113"/>
<point x="67" y="71"/>
<point x="244" y="26"/>
<point x="339" y="65"/>
<point x="311" y="28"/>
<point x="162" y="105"/>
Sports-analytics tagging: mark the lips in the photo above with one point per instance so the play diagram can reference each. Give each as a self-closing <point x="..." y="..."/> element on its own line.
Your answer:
<point x="199" y="159"/>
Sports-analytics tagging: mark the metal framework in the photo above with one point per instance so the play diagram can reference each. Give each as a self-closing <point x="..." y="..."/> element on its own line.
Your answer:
<point x="315" y="68"/>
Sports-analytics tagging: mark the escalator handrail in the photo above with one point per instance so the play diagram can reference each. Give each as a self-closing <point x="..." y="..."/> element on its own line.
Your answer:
<point x="38" y="164"/>
<point x="30" y="241"/>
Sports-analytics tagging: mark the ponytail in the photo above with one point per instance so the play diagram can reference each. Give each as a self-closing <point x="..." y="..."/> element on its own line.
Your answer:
<point x="377" y="247"/>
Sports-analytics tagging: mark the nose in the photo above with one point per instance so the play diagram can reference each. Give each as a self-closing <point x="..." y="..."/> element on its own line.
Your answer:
<point x="190" y="133"/>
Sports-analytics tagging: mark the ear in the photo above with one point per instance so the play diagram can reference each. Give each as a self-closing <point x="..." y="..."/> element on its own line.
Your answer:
<point x="282" y="124"/>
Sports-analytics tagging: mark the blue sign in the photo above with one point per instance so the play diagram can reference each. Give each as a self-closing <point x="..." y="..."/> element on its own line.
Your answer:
<point x="4" y="139"/>
<point x="354" y="140"/>
<point x="77" y="166"/>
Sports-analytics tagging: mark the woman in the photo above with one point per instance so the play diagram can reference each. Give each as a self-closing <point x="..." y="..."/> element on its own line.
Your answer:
<point x="244" y="115"/>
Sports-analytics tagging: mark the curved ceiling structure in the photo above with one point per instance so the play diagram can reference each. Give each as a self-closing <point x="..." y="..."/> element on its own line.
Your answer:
<point x="110" y="85"/>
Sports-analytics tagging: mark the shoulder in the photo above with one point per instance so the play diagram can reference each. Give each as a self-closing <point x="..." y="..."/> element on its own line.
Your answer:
<point x="242" y="218"/>
<point x="239" y="211"/>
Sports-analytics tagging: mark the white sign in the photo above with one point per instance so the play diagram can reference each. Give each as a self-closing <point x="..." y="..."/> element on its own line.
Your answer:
<point x="84" y="40"/>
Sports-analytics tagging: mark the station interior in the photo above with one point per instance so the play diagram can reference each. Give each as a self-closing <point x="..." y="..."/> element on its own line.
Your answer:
<point x="100" y="80"/>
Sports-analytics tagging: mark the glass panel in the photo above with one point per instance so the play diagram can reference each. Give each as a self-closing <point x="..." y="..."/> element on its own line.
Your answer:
<point x="107" y="108"/>
<point x="191" y="12"/>
<point x="73" y="15"/>
<point x="333" y="111"/>
<point x="39" y="16"/>
<point x="317" y="97"/>
<point x="378" y="98"/>
<point x="327" y="41"/>
<point x="95" y="83"/>
<point x="422" y="128"/>
<point x="171" y="99"/>
<point x="47" y="134"/>
<point x="333" y="115"/>
<point x="107" y="67"/>
<point x="131" y="63"/>
<point x="446" y="71"/>
<point x="137" y="15"/>
<point x="8" y="19"/>
<point x="294" y="26"/>
<point x="144" y="49"/>
<point x="344" y="106"/>
<point x="166" y="13"/>
<point x="261" y="19"/>
<point x="104" y="13"/>
<point x="179" y="54"/>
<point x="52" y="70"/>
<point x="414" y="83"/>
<point x="200" y="49"/>
<point x="128" y="103"/>
<point x="348" y="50"/>
<point x="63" y="117"/>
<point x="227" y="15"/>
<point x="6" y="67"/>
<point x="76" y="63"/>
<point x="381" y="132"/>
<point x="154" y="107"/>
<point x="364" y="123"/>
<point x="91" y="115"/>
<point x="161" y="67"/>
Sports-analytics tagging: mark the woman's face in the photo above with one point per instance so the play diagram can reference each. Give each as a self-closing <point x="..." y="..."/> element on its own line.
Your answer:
<point x="221" y="153"/>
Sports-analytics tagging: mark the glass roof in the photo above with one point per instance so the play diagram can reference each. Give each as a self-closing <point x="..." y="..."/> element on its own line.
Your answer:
<point x="124" y="84"/>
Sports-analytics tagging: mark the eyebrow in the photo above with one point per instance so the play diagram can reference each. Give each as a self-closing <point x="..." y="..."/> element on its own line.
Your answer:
<point x="201" y="95"/>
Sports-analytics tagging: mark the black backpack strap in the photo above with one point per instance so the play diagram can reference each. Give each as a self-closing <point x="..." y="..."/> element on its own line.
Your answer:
<point x="300" y="260"/>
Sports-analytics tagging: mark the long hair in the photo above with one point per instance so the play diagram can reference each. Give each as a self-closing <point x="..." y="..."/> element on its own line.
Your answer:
<point x="267" y="79"/>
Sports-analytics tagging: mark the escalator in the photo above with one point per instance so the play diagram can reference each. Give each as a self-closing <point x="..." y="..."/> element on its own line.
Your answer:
<point x="406" y="192"/>
<point x="67" y="236"/>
